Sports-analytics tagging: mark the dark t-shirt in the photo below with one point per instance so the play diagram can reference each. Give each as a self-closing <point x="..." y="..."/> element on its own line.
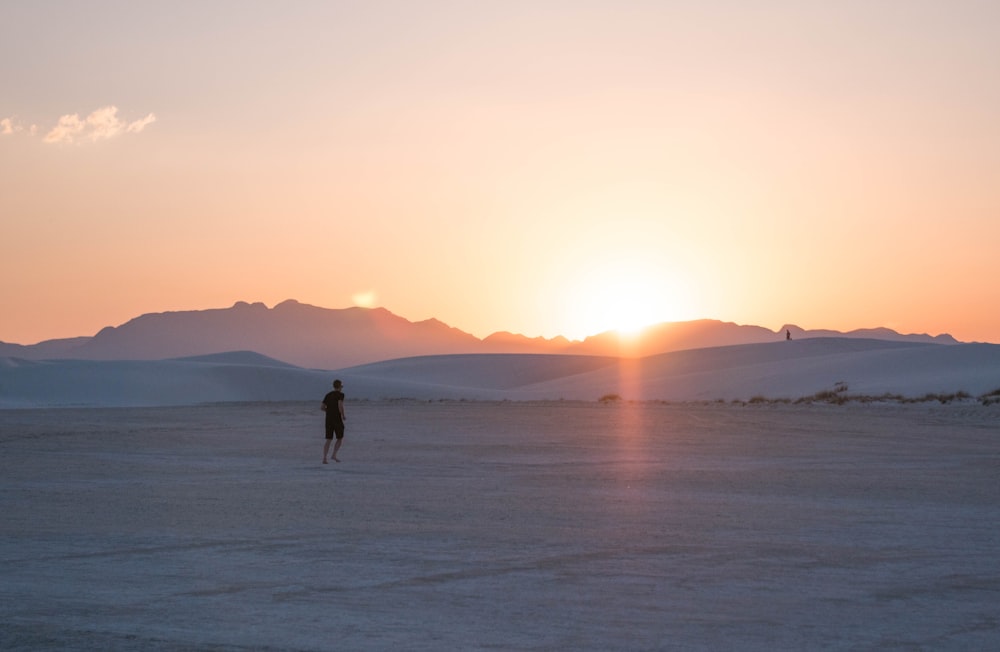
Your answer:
<point x="332" y="400"/>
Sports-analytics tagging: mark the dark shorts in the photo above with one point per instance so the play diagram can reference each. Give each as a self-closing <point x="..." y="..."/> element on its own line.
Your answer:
<point x="335" y="428"/>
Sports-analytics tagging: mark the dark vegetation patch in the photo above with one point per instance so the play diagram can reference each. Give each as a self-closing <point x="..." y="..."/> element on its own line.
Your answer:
<point x="840" y="395"/>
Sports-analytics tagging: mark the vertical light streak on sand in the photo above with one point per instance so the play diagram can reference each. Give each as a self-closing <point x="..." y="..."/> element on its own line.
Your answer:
<point x="629" y="428"/>
<point x="629" y="377"/>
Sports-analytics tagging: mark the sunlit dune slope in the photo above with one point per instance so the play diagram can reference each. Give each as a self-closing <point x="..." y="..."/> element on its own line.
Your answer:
<point x="778" y="370"/>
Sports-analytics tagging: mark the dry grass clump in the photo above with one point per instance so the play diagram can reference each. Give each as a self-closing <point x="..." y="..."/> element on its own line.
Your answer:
<point x="839" y="396"/>
<point x="941" y="398"/>
<point x="991" y="397"/>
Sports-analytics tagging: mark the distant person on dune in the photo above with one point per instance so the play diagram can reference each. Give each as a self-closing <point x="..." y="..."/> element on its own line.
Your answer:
<point x="788" y="334"/>
<point x="333" y="405"/>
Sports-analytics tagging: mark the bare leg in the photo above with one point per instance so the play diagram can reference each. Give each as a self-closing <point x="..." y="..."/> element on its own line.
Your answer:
<point x="336" y="447"/>
<point x="326" y="449"/>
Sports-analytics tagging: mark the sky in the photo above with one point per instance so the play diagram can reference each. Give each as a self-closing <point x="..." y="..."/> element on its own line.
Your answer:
<point x="538" y="167"/>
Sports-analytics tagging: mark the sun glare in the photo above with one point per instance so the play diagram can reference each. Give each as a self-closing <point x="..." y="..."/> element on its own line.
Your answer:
<point x="365" y="299"/>
<point x="622" y="299"/>
<point x="630" y="307"/>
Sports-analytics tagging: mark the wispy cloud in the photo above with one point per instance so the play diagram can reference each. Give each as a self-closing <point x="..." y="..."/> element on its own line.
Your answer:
<point x="100" y="125"/>
<point x="139" y="125"/>
<point x="9" y="126"/>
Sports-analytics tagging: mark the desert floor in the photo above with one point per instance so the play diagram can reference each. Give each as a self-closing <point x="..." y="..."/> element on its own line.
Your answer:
<point x="459" y="525"/>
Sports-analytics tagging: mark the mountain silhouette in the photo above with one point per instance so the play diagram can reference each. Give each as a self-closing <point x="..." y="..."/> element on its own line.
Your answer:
<point x="334" y="338"/>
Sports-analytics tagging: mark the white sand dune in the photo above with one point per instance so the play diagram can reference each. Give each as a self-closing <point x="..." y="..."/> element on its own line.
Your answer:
<point x="792" y="370"/>
<point x="210" y="379"/>
<point x="775" y="370"/>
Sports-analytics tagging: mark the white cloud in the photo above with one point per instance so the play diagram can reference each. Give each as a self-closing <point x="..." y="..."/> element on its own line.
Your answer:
<point x="9" y="126"/>
<point x="139" y="125"/>
<point x="69" y="127"/>
<point x="101" y="124"/>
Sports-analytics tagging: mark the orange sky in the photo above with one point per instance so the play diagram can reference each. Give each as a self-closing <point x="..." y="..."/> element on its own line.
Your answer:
<point x="537" y="167"/>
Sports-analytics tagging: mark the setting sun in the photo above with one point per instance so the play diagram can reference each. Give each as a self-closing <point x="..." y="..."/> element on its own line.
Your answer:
<point x="623" y="305"/>
<point x="625" y="297"/>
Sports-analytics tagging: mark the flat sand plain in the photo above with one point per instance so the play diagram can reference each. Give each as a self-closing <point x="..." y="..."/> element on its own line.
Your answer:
<point x="534" y="526"/>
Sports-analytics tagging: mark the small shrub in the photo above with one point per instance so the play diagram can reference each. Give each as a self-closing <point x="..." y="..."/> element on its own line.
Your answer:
<point x="833" y="396"/>
<point x="990" y="398"/>
<point x="610" y="398"/>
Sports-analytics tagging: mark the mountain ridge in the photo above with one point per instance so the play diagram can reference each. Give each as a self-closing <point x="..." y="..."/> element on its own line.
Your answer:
<point x="334" y="338"/>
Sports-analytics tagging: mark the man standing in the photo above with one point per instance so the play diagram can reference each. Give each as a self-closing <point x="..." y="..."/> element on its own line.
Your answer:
<point x="333" y="405"/>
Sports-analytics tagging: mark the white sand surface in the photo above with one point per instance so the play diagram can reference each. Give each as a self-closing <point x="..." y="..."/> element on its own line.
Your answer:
<point x="532" y="526"/>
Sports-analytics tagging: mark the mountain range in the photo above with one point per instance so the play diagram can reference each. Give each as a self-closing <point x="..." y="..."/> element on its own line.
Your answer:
<point x="326" y="338"/>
